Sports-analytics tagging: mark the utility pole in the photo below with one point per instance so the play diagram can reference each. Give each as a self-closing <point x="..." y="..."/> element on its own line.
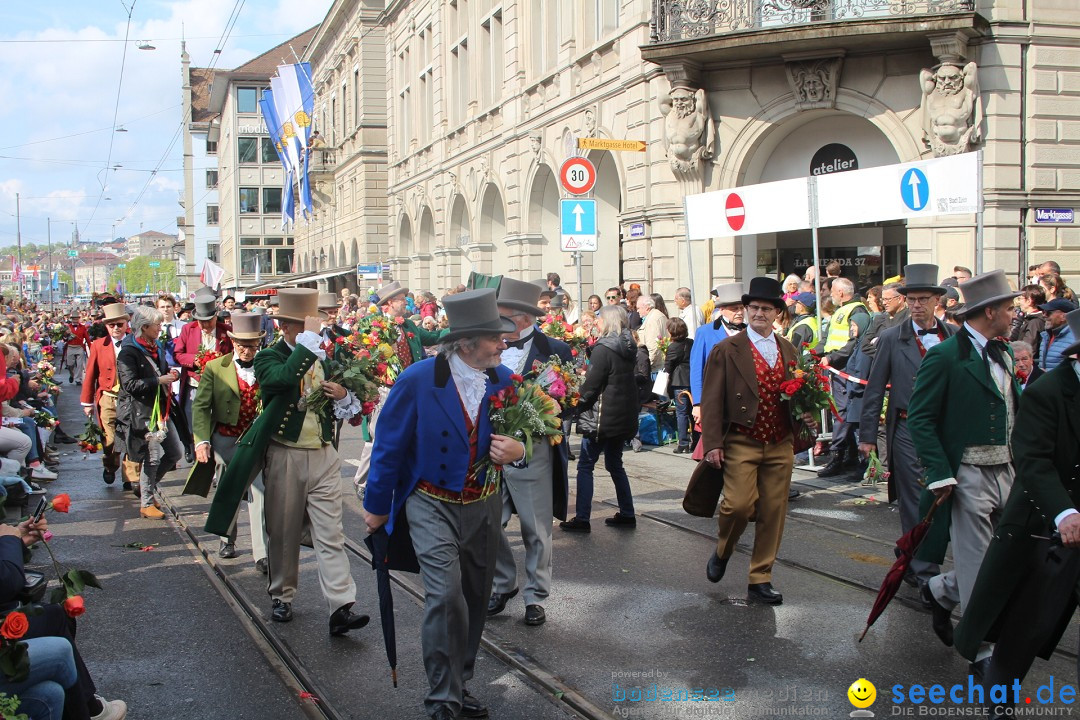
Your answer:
<point x="18" y="239"/>
<point x="52" y="300"/>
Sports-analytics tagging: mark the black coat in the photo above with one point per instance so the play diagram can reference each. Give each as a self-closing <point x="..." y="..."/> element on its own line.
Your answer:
<point x="611" y="387"/>
<point x="139" y="385"/>
<point x="677" y="362"/>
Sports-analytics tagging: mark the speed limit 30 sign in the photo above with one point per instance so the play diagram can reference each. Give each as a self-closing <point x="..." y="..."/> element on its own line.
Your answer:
<point x="577" y="176"/>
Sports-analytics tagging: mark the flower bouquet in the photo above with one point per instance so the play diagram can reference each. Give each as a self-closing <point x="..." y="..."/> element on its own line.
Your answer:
<point x="203" y="357"/>
<point x="558" y="381"/>
<point x="556" y="327"/>
<point x="807" y="391"/>
<point x="378" y="334"/>
<point x="354" y="366"/>
<point x="45" y="420"/>
<point x="663" y="344"/>
<point x="59" y="332"/>
<point x="521" y="410"/>
<point x="92" y="437"/>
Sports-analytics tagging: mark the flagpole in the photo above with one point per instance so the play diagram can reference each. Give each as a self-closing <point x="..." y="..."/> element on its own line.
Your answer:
<point x="18" y="238"/>
<point x="52" y="300"/>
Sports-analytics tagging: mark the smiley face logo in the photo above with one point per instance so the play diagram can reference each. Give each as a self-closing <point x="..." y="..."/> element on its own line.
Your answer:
<point x="862" y="693"/>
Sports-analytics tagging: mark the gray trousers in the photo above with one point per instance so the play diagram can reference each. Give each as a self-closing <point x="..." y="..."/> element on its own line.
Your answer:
<point x="456" y="546"/>
<point x="528" y="490"/>
<point x="364" y="462"/>
<point x="160" y="458"/>
<point x="75" y="360"/>
<point x="224" y="448"/>
<point x="977" y="501"/>
<point x="907" y="474"/>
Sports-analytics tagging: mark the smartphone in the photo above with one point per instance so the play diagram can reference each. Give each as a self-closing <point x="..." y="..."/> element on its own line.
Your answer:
<point x="39" y="512"/>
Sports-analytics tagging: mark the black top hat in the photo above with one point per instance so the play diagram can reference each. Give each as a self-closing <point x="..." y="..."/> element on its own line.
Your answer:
<point x="205" y="305"/>
<point x="987" y="289"/>
<point x="475" y="312"/>
<point x="921" y="276"/>
<point x="767" y="289"/>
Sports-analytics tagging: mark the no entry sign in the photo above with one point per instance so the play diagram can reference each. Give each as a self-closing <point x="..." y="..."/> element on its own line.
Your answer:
<point x="577" y="176"/>
<point x="735" y="211"/>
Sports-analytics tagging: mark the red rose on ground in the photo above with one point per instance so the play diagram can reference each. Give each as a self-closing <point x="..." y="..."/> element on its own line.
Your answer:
<point x="62" y="503"/>
<point x="15" y="625"/>
<point x="74" y="606"/>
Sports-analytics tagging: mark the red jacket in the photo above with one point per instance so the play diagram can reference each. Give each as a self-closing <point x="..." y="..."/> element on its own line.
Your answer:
<point x="100" y="371"/>
<point x="81" y="339"/>
<point x="9" y="387"/>
<point x="186" y="347"/>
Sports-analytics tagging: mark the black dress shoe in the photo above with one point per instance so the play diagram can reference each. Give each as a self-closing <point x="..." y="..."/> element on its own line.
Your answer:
<point x="109" y="476"/>
<point x="189" y="455"/>
<point x="443" y="713"/>
<point x="576" y="525"/>
<point x="620" y="520"/>
<point x="127" y="485"/>
<point x="498" y="600"/>
<point x="471" y="707"/>
<point x="941" y="617"/>
<point x="228" y="549"/>
<point x="681" y="449"/>
<point x="716" y="568"/>
<point x="834" y="468"/>
<point x="911" y="580"/>
<point x="282" y="611"/>
<point x="570" y="455"/>
<point x="763" y="592"/>
<point x="262" y="566"/>
<point x="535" y="615"/>
<point x="343" y="620"/>
<point x="793" y="493"/>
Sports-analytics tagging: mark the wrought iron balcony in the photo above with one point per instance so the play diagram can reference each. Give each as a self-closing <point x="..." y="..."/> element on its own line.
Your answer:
<point x="675" y="20"/>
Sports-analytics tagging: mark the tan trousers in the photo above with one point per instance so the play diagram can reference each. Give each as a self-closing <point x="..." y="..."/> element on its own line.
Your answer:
<point x="757" y="477"/>
<point x="298" y="480"/>
<point x="110" y="458"/>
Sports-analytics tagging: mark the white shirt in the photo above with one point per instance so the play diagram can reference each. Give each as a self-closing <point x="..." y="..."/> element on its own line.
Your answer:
<point x="930" y="339"/>
<point x="514" y="358"/>
<point x="471" y="385"/>
<point x="1001" y="377"/>
<point x="693" y="317"/>
<point x="765" y="344"/>
<point x="247" y="374"/>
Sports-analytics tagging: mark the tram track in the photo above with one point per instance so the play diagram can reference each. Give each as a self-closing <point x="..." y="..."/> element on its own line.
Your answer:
<point x="315" y="702"/>
<point x="824" y="574"/>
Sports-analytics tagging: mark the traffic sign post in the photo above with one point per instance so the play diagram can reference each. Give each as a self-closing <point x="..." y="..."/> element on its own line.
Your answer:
<point x="577" y="176"/>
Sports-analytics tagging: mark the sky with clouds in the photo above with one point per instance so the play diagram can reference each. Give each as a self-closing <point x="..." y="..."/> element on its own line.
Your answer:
<point x="63" y="60"/>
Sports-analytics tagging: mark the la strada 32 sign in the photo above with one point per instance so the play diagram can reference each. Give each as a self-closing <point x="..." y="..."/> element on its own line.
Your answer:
<point x="833" y="158"/>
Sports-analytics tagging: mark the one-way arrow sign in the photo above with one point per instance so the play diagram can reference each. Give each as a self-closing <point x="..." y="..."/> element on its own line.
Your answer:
<point x="578" y="225"/>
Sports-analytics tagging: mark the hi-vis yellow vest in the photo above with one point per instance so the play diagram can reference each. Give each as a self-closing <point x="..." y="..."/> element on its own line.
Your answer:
<point x="840" y="326"/>
<point x="811" y="322"/>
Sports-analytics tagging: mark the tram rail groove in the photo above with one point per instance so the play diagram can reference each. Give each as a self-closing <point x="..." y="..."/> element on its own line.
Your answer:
<point x="913" y="604"/>
<point x="282" y="659"/>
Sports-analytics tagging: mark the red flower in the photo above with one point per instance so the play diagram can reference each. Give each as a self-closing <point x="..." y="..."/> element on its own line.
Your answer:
<point x="62" y="503"/>
<point x="74" y="606"/>
<point x="15" y="625"/>
<point x="340" y="340"/>
<point x="399" y="321"/>
<point x="496" y="403"/>
<point x="517" y="378"/>
<point x="410" y="335"/>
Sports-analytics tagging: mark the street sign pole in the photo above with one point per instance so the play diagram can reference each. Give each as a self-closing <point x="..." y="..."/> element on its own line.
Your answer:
<point x="979" y="219"/>
<point x="577" y="261"/>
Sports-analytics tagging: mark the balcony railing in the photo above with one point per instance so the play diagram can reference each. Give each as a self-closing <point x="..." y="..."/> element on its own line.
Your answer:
<point x="322" y="160"/>
<point x="692" y="19"/>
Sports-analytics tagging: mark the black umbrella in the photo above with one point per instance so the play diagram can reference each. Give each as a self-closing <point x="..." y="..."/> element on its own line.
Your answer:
<point x="390" y="554"/>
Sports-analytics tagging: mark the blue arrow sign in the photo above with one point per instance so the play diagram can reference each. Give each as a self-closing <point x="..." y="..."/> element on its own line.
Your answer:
<point x="914" y="189"/>
<point x="577" y="225"/>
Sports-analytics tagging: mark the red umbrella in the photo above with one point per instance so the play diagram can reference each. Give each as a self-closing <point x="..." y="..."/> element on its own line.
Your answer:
<point x="908" y="544"/>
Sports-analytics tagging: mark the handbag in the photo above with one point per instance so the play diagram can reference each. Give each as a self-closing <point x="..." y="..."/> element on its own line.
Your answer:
<point x="660" y="385"/>
<point x="156" y="428"/>
<point x="703" y="492"/>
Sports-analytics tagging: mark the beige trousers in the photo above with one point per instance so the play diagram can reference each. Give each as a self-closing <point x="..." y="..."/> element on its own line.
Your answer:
<point x="299" y="480"/>
<point x="110" y="458"/>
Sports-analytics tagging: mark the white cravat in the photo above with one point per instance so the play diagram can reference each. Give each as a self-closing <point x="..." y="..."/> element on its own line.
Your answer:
<point x="514" y="358"/>
<point x="765" y="344"/>
<point x="471" y="385"/>
<point x="247" y="374"/>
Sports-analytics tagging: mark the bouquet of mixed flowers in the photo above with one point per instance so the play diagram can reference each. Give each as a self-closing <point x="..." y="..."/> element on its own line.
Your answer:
<point x="378" y="334"/>
<point x="521" y="410"/>
<point x="203" y="357"/>
<point x="354" y="366"/>
<point x="92" y="437"/>
<point x="557" y="327"/>
<point x="58" y="332"/>
<point x="663" y="344"/>
<point x="808" y="390"/>
<point x="558" y="381"/>
<point x="45" y="420"/>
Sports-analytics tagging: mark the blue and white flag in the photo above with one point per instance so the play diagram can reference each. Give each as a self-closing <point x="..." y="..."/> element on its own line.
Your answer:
<point x="56" y="280"/>
<point x="291" y="146"/>
<point x="273" y="126"/>
<point x="295" y="101"/>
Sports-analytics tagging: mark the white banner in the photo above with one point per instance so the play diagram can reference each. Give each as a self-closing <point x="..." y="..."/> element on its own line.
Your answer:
<point x="942" y="186"/>
<point x="764" y="208"/>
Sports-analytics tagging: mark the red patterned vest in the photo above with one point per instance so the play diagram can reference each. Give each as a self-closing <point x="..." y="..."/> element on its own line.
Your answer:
<point x="475" y="488"/>
<point x="772" y="423"/>
<point x="249" y="406"/>
<point x="402" y="349"/>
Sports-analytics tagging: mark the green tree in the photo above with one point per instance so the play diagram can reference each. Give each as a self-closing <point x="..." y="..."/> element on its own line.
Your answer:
<point x="138" y="275"/>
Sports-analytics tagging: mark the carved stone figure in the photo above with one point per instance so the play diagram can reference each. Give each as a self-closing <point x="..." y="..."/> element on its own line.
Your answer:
<point x="952" y="111"/>
<point x="689" y="131"/>
<point x="814" y="81"/>
<point x="536" y="146"/>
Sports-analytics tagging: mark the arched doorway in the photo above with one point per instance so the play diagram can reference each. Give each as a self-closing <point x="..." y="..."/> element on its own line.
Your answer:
<point x="402" y="272"/>
<point x="420" y="273"/>
<point x="491" y="231"/>
<point x="458" y="239"/>
<point x="544" y="222"/>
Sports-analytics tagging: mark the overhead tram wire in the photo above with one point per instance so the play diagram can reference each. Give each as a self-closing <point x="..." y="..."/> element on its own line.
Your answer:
<point x="85" y="132"/>
<point x="225" y="34"/>
<point x="116" y="112"/>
